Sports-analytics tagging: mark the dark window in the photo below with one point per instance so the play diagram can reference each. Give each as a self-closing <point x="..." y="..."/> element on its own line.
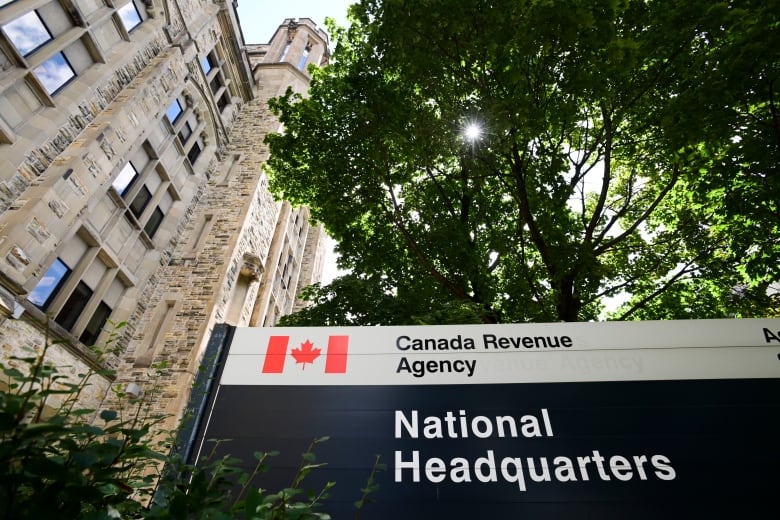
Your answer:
<point x="74" y="306"/>
<point x="194" y="153"/>
<point x="155" y="219"/>
<point x="140" y="201"/>
<point x="50" y="284"/>
<point x="223" y="101"/>
<point x="286" y="274"/>
<point x="185" y="132"/>
<point x="95" y="325"/>
<point x="216" y="84"/>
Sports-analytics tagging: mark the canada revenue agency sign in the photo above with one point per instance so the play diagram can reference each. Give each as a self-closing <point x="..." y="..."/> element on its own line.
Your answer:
<point x="677" y="419"/>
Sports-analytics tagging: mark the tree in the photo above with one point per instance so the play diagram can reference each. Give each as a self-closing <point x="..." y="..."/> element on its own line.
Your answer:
<point x="617" y="142"/>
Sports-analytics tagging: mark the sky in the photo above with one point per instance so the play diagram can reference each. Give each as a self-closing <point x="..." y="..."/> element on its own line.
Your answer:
<point x="260" y="18"/>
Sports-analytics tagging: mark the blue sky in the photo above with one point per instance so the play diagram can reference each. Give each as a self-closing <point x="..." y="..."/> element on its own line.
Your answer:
<point x="260" y="18"/>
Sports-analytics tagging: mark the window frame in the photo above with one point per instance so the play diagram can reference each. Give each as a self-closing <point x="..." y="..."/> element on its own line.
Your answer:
<point x="56" y="287"/>
<point x="129" y="185"/>
<point x="96" y="322"/>
<point x="133" y="206"/>
<point x="303" y="59"/>
<point x="184" y="136"/>
<point x="224" y="101"/>
<point x="26" y="31"/>
<point x="154" y="222"/>
<point x="74" y="306"/>
<point x="216" y="83"/>
<point x="87" y="290"/>
<point x="121" y="16"/>
<point x="177" y="103"/>
<point x="191" y="152"/>
<point x="42" y="78"/>
<point x="209" y="60"/>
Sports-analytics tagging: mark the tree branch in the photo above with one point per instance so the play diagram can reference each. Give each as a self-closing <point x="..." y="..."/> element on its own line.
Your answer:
<point x="648" y="211"/>
<point x="525" y="210"/>
<point x="606" y="179"/>
<point x="641" y="303"/>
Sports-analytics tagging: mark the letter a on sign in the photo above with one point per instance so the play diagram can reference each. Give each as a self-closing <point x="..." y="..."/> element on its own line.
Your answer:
<point x="335" y="357"/>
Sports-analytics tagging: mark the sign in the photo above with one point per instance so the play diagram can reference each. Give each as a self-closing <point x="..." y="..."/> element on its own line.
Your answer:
<point x="677" y="419"/>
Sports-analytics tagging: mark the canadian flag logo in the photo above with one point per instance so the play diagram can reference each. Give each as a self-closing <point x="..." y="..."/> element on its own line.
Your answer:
<point x="307" y="352"/>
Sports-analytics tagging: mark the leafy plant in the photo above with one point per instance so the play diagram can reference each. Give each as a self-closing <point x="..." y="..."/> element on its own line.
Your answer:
<point x="58" y="460"/>
<point x="207" y="491"/>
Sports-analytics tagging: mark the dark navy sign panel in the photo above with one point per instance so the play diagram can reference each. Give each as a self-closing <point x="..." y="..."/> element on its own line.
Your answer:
<point x="679" y="449"/>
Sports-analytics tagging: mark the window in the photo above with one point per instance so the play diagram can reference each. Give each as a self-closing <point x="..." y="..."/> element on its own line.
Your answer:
<point x="223" y="101"/>
<point x="125" y="179"/>
<point x="194" y="153"/>
<point x="130" y="16"/>
<point x="174" y="112"/>
<point x="140" y="201"/>
<point x="217" y="79"/>
<point x="28" y="33"/>
<point x="185" y="132"/>
<point x="304" y="58"/>
<point x="74" y="306"/>
<point x="155" y="219"/>
<point x="285" y="51"/>
<point x="49" y="285"/>
<point x="146" y="191"/>
<point x="183" y="122"/>
<point x="95" y="324"/>
<point x="215" y="83"/>
<point x="79" y="289"/>
<point x="54" y="73"/>
<point x="207" y="63"/>
<point x="286" y="275"/>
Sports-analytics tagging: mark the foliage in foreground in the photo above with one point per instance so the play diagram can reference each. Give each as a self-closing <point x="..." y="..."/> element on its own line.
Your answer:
<point x="58" y="460"/>
<point x="628" y="148"/>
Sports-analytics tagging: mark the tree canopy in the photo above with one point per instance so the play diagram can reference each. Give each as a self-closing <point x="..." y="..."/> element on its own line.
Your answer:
<point x="620" y="150"/>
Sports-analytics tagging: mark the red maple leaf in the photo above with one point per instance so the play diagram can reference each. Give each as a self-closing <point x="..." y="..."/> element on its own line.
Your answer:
<point x="306" y="353"/>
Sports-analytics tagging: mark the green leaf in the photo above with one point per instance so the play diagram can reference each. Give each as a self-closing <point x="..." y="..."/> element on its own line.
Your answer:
<point x="108" y="415"/>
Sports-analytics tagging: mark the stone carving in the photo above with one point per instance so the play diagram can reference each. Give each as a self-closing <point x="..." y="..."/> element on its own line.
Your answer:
<point x="252" y="267"/>
<point x="106" y="146"/>
<point x="38" y="231"/>
<point x="58" y="207"/>
<point x="89" y="161"/>
<point x="18" y="258"/>
<point x="77" y="185"/>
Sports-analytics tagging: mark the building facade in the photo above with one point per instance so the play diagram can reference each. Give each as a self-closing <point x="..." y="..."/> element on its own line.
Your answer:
<point x="132" y="187"/>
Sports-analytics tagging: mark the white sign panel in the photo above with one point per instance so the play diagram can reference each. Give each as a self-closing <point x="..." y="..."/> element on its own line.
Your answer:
<point x="495" y="354"/>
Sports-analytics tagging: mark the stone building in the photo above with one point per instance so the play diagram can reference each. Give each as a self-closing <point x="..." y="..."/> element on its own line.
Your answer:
<point x="132" y="186"/>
